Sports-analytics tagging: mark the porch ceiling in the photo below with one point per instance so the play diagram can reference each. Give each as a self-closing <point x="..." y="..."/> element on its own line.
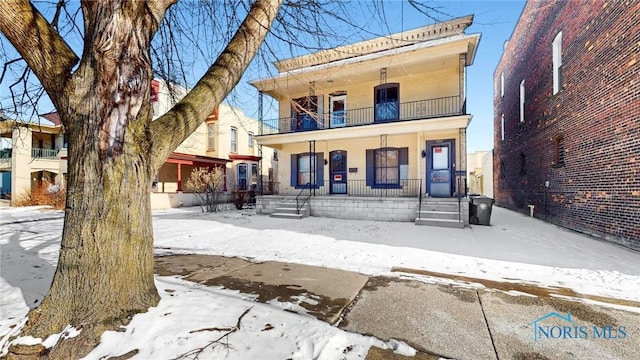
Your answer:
<point x="399" y="127"/>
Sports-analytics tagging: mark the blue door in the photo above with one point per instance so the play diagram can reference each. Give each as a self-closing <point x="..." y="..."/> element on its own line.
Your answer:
<point x="338" y="172"/>
<point x="440" y="168"/>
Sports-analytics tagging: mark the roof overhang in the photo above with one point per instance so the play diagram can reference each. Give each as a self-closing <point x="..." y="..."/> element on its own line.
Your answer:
<point x="195" y="160"/>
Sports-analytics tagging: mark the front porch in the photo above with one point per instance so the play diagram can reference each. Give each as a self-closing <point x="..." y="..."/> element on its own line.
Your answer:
<point x="403" y="209"/>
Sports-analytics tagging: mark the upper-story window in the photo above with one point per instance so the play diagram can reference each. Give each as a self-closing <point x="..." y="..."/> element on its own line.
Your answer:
<point x="522" y="101"/>
<point x="250" y="140"/>
<point x="211" y="136"/>
<point x="386" y="102"/>
<point x="502" y="127"/>
<point x="501" y="84"/>
<point x="304" y="113"/>
<point x="234" y="140"/>
<point x="557" y="62"/>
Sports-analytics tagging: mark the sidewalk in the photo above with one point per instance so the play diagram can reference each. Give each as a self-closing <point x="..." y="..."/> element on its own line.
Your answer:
<point x="440" y="316"/>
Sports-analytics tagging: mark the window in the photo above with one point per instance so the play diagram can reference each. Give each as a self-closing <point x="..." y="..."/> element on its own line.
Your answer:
<point x="211" y="136"/>
<point x="386" y="100"/>
<point x="558" y="158"/>
<point x="304" y="113"/>
<point x="501" y="84"/>
<point x="234" y="140"/>
<point x="254" y="174"/>
<point x="522" y="101"/>
<point x="502" y="127"/>
<point x="242" y="176"/>
<point x="307" y="170"/>
<point x="387" y="167"/>
<point x="275" y="155"/>
<point x="557" y="62"/>
<point x="250" y="139"/>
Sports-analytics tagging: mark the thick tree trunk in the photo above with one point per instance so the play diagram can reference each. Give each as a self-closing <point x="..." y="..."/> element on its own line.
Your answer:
<point x="105" y="270"/>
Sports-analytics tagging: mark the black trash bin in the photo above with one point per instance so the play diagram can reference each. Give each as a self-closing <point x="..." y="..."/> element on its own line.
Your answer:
<point x="480" y="210"/>
<point x="473" y="210"/>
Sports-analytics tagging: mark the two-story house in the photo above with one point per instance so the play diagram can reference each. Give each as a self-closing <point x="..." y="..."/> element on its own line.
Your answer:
<point x="32" y="155"/>
<point x="225" y="140"/>
<point x="383" y="118"/>
<point x="567" y="117"/>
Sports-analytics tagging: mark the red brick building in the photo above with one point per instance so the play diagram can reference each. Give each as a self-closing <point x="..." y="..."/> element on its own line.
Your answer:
<point x="567" y="117"/>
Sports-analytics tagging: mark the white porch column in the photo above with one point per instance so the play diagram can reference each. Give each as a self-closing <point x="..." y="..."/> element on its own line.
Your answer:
<point x="21" y="139"/>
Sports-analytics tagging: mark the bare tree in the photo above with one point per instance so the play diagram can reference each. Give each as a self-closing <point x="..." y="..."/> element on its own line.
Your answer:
<point x="105" y="268"/>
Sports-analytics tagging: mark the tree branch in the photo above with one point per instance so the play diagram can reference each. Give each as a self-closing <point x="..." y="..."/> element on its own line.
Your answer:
<point x="171" y="129"/>
<point x="46" y="53"/>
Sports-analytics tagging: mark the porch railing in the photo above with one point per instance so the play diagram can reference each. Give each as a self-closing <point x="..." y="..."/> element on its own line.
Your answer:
<point x="413" y="110"/>
<point x="44" y="153"/>
<point x="406" y="188"/>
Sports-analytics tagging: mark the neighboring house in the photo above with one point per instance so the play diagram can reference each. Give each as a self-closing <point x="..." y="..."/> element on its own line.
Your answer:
<point x="566" y="114"/>
<point x="32" y="155"/>
<point x="37" y="153"/>
<point x="475" y="172"/>
<point x="379" y="118"/>
<point x="226" y="140"/>
<point x="487" y="174"/>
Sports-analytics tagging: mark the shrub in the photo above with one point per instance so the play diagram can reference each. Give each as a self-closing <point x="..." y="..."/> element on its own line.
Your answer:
<point x="44" y="194"/>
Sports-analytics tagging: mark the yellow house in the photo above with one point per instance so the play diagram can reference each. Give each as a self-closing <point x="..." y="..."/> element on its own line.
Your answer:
<point x="31" y="155"/>
<point x="383" y="118"/>
<point x="226" y="140"/>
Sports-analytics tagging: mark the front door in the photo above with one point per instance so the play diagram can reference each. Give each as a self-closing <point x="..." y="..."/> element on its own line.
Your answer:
<point x="338" y="110"/>
<point x="338" y="172"/>
<point x="440" y="168"/>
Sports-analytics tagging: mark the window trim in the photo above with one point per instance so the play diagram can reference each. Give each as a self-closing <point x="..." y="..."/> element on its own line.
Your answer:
<point x="250" y="139"/>
<point x="211" y="136"/>
<point x="522" y="100"/>
<point x="559" y="155"/>
<point x="403" y="160"/>
<point x="375" y="102"/>
<point x="234" y="140"/>
<point x="556" y="50"/>
<point x="318" y="177"/>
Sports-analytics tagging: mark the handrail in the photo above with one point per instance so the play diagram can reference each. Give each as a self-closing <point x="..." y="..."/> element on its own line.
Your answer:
<point x="298" y="205"/>
<point x="459" y="200"/>
<point x="420" y="202"/>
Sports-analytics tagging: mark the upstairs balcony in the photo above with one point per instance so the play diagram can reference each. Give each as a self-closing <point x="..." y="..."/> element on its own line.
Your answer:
<point x="385" y="112"/>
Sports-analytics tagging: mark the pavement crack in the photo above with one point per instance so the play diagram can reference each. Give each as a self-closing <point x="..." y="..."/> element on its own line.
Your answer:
<point x="484" y="315"/>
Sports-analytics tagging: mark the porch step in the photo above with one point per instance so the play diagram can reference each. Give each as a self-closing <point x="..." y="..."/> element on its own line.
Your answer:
<point x="432" y="214"/>
<point x="286" y="216"/>
<point x="449" y="223"/>
<point x="440" y="212"/>
<point x="287" y="210"/>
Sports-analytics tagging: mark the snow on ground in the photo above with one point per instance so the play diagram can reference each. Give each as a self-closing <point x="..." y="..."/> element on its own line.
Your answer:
<point x="515" y="248"/>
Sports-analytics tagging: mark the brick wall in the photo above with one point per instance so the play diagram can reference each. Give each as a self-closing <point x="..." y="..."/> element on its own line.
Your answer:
<point x="596" y="113"/>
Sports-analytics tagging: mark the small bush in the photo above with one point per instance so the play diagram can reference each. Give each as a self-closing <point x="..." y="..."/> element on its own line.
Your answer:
<point x="43" y="194"/>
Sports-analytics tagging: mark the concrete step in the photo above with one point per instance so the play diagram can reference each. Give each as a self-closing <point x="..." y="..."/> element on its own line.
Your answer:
<point x="286" y="210"/>
<point x="457" y="224"/>
<point x="286" y="216"/>
<point x="440" y="207"/>
<point x="428" y="214"/>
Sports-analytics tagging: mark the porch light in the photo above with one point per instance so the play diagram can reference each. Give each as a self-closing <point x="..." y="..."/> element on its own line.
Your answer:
<point x="424" y="154"/>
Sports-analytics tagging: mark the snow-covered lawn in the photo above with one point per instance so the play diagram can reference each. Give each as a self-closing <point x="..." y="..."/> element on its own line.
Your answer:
<point x="185" y="318"/>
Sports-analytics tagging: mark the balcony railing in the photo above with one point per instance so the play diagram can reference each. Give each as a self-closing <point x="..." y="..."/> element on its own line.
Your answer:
<point x="44" y="153"/>
<point x="382" y="113"/>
